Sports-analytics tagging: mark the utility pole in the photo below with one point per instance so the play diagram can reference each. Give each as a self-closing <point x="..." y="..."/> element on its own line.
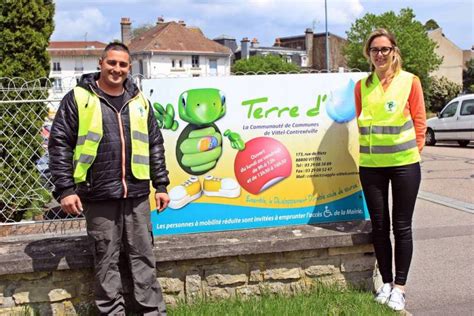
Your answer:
<point x="327" y="35"/>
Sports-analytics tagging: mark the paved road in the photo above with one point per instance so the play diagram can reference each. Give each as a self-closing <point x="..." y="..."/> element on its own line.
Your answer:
<point x="441" y="279"/>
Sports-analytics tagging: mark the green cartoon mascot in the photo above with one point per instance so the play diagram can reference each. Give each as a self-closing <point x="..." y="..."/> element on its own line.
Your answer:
<point x="199" y="145"/>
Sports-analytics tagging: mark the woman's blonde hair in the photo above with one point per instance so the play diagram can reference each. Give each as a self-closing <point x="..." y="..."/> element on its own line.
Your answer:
<point x="397" y="57"/>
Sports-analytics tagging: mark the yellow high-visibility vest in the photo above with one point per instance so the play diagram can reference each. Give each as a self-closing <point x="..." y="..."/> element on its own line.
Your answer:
<point x="90" y="134"/>
<point x="386" y="136"/>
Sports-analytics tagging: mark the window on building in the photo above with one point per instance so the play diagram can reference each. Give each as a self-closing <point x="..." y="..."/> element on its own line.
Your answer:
<point x="140" y="67"/>
<point x="57" y="84"/>
<point x="195" y="61"/>
<point x="213" y="67"/>
<point x="304" y="62"/>
<point x="173" y="64"/>
<point x="56" y="66"/>
<point x="78" y="65"/>
<point x="180" y="63"/>
<point x="195" y="75"/>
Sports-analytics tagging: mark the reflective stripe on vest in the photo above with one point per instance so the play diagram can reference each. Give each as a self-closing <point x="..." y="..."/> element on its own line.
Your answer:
<point x="138" y="109"/>
<point x="91" y="131"/>
<point x="386" y="136"/>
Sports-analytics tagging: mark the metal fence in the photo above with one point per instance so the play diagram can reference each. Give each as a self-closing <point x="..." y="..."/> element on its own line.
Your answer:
<point x="26" y="112"/>
<point x="27" y="109"/>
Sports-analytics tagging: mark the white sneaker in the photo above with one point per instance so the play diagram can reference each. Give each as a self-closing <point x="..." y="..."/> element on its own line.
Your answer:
<point x="397" y="299"/>
<point x="185" y="193"/>
<point x="226" y="187"/>
<point x="383" y="294"/>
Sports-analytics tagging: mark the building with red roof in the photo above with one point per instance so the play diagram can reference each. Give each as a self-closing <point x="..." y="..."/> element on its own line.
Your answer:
<point x="174" y="49"/>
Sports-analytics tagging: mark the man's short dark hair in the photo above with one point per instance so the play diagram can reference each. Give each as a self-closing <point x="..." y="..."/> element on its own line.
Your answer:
<point x="115" y="46"/>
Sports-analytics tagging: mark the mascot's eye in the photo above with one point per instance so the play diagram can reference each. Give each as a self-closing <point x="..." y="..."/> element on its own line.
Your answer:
<point x="184" y="97"/>
<point x="223" y="99"/>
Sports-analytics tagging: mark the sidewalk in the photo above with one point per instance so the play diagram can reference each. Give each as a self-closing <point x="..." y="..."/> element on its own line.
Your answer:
<point x="441" y="278"/>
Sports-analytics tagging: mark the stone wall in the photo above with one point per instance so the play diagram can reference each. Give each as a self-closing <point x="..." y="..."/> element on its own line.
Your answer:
<point x="243" y="263"/>
<point x="284" y="273"/>
<point x="47" y="293"/>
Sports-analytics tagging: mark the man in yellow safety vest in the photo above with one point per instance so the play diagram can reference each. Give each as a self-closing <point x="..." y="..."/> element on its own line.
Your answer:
<point x="105" y="147"/>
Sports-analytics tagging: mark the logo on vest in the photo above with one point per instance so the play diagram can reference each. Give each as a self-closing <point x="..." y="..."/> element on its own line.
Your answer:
<point x="142" y="110"/>
<point x="390" y="106"/>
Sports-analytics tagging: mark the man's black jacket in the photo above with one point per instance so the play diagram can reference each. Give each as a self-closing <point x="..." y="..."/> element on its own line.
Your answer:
<point x="110" y="176"/>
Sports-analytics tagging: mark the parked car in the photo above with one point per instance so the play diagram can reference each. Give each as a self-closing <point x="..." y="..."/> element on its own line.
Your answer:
<point x="454" y="123"/>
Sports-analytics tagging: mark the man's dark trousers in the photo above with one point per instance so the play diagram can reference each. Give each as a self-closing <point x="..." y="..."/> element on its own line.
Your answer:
<point x="125" y="224"/>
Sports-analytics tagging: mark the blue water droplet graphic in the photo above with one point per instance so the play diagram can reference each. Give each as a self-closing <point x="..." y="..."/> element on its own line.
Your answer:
<point x="341" y="105"/>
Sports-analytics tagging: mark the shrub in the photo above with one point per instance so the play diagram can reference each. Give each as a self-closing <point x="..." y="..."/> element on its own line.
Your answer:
<point x="440" y="92"/>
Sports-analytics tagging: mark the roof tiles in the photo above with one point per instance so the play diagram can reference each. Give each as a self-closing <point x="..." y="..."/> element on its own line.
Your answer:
<point x="76" y="48"/>
<point x="175" y="37"/>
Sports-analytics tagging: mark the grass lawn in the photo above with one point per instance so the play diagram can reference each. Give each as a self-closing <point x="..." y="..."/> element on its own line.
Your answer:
<point x="322" y="300"/>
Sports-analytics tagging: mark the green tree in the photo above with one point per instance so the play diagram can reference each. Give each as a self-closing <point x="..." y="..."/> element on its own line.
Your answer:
<point x="431" y="25"/>
<point x="468" y="77"/>
<point x="440" y="92"/>
<point x="266" y="64"/>
<point x="136" y="32"/>
<point x="25" y="29"/>
<point x="417" y="48"/>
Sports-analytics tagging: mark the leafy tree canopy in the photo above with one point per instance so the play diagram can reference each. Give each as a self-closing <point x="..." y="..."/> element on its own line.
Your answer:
<point x="431" y="25"/>
<point x="441" y="91"/>
<point x="25" y="29"/>
<point x="417" y="48"/>
<point x="468" y="77"/>
<point x="138" y="31"/>
<point x="267" y="64"/>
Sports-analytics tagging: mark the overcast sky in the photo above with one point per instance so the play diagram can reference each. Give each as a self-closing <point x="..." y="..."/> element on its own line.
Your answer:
<point x="262" y="19"/>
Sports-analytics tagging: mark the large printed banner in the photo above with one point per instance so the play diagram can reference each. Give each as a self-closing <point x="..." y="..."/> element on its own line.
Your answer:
<point x="258" y="151"/>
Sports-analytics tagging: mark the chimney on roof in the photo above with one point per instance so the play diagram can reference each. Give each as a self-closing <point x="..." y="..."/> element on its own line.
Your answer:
<point x="244" y="48"/>
<point x="254" y="43"/>
<point x="181" y="22"/>
<point x="160" y="20"/>
<point x="308" y="42"/>
<point x="277" y="42"/>
<point x="126" y="30"/>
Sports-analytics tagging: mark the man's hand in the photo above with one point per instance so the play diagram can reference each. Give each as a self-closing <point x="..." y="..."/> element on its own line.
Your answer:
<point x="162" y="200"/>
<point x="71" y="204"/>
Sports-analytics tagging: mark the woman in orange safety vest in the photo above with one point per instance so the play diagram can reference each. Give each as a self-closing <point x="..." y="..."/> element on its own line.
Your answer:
<point x="392" y="123"/>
